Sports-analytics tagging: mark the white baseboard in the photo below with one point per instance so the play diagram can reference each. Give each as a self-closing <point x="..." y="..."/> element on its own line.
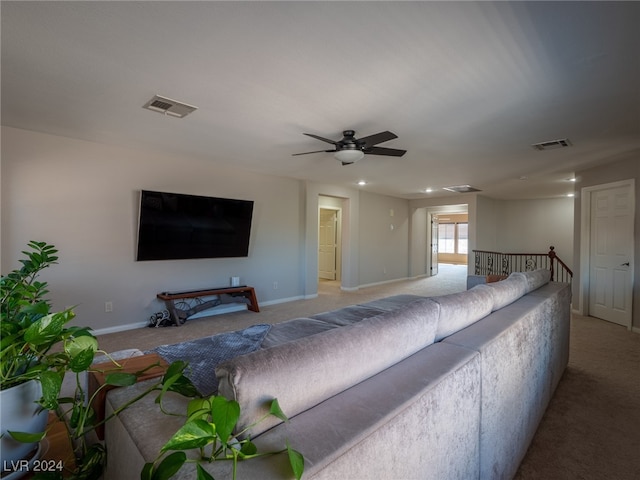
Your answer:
<point x="219" y="310"/>
<point x="285" y="300"/>
<point x="349" y="289"/>
<point x="119" y="328"/>
<point x="383" y="283"/>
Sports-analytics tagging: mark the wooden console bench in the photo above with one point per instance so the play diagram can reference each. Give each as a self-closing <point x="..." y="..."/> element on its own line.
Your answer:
<point x="241" y="294"/>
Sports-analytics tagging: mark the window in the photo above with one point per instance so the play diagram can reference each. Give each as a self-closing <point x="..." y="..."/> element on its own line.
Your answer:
<point x="453" y="238"/>
<point x="463" y="238"/>
<point x="447" y="238"/>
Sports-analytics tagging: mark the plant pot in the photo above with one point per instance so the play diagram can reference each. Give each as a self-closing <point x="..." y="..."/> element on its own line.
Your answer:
<point x="20" y="413"/>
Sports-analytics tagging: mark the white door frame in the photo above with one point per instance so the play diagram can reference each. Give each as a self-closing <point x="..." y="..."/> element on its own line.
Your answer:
<point x="585" y="241"/>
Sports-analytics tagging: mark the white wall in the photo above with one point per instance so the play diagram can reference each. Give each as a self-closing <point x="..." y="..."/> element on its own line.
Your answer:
<point x="527" y="226"/>
<point x="83" y="198"/>
<point x="486" y="221"/>
<point x="531" y="226"/>
<point x="384" y="238"/>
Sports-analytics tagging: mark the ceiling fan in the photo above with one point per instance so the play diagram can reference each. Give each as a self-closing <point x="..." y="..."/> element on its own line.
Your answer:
<point x="350" y="149"/>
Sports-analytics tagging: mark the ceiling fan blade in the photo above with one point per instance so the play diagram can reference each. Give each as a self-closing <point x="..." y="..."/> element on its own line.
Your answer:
<point x="321" y="138"/>
<point x="392" y="152"/>
<point x="372" y="140"/>
<point x="316" y="151"/>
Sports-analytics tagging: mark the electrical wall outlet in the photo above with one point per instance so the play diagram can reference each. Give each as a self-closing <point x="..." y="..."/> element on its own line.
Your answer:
<point x="108" y="307"/>
<point x="275" y="285"/>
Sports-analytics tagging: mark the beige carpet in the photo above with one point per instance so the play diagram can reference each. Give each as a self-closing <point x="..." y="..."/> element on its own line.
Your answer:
<point x="450" y="279"/>
<point x="591" y="430"/>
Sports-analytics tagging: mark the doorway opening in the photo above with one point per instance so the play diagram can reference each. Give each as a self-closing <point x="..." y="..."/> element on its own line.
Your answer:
<point x="330" y="241"/>
<point x="453" y="238"/>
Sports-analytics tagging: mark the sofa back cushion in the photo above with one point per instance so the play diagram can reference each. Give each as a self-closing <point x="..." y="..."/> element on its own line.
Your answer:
<point x="290" y="330"/>
<point x="536" y="278"/>
<point x="507" y="291"/>
<point x="304" y="372"/>
<point x="459" y="310"/>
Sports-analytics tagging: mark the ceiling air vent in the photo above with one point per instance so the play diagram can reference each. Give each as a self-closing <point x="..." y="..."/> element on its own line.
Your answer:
<point x="564" y="142"/>
<point x="461" y="189"/>
<point x="170" y="107"/>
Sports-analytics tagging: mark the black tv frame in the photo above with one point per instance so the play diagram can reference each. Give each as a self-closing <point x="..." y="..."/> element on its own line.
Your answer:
<point x="178" y="226"/>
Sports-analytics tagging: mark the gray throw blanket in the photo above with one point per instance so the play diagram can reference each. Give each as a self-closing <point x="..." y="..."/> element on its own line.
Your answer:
<point x="204" y="354"/>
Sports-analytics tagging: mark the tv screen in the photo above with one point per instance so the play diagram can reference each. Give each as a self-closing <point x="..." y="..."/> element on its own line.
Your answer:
<point x="177" y="226"/>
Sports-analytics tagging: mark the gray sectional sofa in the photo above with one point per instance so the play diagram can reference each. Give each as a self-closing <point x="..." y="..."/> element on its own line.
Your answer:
<point x="449" y="387"/>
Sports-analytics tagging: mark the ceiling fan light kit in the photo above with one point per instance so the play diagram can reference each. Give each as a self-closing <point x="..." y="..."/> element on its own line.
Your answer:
<point x="348" y="157"/>
<point x="350" y="149"/>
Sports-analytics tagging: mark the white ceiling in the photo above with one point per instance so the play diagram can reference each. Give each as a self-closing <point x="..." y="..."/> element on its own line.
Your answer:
<point x="467" y="87"/>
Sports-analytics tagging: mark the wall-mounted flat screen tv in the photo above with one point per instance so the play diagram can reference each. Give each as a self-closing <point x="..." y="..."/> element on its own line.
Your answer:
<point x="177" y="226"/>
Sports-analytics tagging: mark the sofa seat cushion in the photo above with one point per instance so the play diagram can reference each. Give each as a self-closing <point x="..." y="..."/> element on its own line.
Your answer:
<point x="459" y="310"/>
<point x="304" y="372"/>
<point x="409" y="404"/>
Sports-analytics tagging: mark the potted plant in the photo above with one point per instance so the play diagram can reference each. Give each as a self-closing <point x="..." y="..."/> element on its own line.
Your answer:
<point x="37" y="350"/>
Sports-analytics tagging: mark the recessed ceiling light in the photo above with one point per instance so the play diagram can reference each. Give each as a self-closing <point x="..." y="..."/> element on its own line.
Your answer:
<point x="428" y="190"/>
<point x="571" y="194"/>
<point x="572" y="179"/>
<point x="362" y="182"/>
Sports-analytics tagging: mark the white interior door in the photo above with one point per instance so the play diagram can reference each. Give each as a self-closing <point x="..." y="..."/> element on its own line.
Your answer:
<point x="327" y="244"/>
<point x="610" y="256"/>
<point x="434" y="245"/>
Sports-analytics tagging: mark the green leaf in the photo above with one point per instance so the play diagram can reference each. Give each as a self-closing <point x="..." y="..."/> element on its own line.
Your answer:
<point x="82" y="361"/>
<point x="184" y="387"/>
<point x="276" y="411"/>
<point x="175" y="368"/>
<point x="296" y="460"/>
<point x="75" y="415"/>
<point x="175" y="381"/>
<point x="147" y="471"/>
<point x="169" y="466"/>
<point x="91" y="465"/>
<point x="51" y="384"/>
<point x="80" y="332"/>
<point x="78" y="344"/>
<point x="25" y="437"/>
<point x="224" y="414"/>
<point x="202" y="474"/>
<point x="198" y="408"/>
<point x="194" y="434"/>
<point x="47" y="329"/>
<point x="248" y="448"/>
<point x="120" y="379"/>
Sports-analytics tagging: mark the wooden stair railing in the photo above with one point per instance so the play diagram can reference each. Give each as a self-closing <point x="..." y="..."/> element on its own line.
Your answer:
<point x="498" y="263"/>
